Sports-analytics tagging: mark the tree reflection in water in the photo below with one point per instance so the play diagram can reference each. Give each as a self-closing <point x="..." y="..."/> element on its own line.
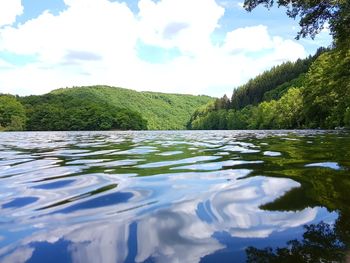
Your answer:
<point x="321" y="242"/>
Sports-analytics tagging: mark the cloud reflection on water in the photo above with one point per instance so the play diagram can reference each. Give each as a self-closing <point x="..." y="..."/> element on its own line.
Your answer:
<point x="177" y="233"/>
<point x="164" y="198"/>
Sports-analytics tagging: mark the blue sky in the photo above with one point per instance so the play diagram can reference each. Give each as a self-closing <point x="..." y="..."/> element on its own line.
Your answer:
<point x="183" y="46"/>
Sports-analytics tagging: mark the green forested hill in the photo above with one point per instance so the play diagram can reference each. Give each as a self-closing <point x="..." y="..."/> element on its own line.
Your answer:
<point x="98" y="108"/>
<point x="256" y="89"/>
<point x="161" y="110"/>
<point x="309" y="95"/>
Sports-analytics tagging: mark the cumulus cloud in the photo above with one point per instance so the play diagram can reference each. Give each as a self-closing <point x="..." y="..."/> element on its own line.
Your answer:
<point x="96" y="41"/>
<point x="194" y="21"/>
<point x="85" y="25"/>
<point x="257" y="38"/>
<point x="9" y="10"/>
<point x="245" y="39"/>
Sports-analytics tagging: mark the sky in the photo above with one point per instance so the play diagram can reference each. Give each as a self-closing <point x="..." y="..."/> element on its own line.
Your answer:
<point x="177" y="46"/>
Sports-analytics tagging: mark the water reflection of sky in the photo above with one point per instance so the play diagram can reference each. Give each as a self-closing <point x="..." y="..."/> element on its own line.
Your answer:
<point x="142" y="197"/>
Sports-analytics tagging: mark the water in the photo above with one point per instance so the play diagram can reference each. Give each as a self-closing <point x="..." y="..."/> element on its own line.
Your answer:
<point x="202" y="196"/>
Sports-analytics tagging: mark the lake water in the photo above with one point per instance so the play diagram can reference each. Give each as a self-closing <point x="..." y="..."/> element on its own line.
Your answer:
<point x="182" y="196"/>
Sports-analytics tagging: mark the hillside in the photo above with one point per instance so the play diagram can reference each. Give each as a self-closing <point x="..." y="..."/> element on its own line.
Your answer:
<point x="98" y="108"/>
<point x="161" y="110"/>
<point x="257" y="89"/>
<point x="309" y="93"/>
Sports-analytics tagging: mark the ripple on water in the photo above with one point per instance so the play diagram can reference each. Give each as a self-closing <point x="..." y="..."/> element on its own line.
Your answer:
<point x="20" y="202"/>
<point x="215" y="165"/>
<point x="331" y="165"/>
<point x="50" y="173"/>
<point x="240" y="149"/>
<point x="87" y="161"/>
<point x="137" y="150"/>
<point x="98" y="202"/>
<point x="170" y="153"/>
<point x="30" y="166"/>
<point x="272" y="154"/>
<point x="181" y="161"/>
<point x="54" y="185"/>
<point x="81" y="196"/>
<point x="161" y="196"/>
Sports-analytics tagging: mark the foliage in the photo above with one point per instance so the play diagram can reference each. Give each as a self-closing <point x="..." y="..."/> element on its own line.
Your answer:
<point x="162" y="111"/>
<point x="59" y="112"/>
<point x="264" y="116"/>
<point x="309" y="93"/>
<point x="285" y="113"/>
<point x="314" y="15"/>
<point x="263" y="86"/>
<point x="319" y="98"/>
<point x="327" y="92"/>
<point x="280" y="90"/>
<point x="289" y="109"/>
<point x="202" y="111"/>
<point x="106" y="108"/>
<point x="320" y="243"/>
<point x="240" y="120"/>
<point x="222" y="103"/>
<point x="99" y="108"/>
<point x="347" y="117"/>
<point x="12" y="114"/>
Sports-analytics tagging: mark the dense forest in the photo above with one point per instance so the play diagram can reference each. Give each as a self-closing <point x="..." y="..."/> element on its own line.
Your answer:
<point x="309" y="93"/>
<point x="97" y="108"/>
<point x="263" y="87"/>
<point x="314" y="94"/>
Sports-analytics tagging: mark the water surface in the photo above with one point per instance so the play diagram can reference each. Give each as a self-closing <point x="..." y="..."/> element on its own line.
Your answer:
<point x="187" y="196"/>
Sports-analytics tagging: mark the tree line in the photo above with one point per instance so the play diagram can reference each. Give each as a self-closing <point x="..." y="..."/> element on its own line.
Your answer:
<point x="310" y="93"/>
<point x="254" y="91"/>
<point x="319" y="98"/>
<point x="98" y="108"/>
<point x="62" y="112"/>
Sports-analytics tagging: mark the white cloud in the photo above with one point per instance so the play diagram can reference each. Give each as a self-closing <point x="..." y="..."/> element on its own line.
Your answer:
<point x="9" y="10"/>
<point x="52" y="36"/>
<point x="100" y="28"/>
<point x="94" y="42"/>
<point x="248" y="39"/>
<point x="257" y="39"/>
<point x="184" y="24"/>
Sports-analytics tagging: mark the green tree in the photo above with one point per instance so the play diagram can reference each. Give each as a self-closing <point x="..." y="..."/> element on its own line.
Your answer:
<point x="327" y="90"/>
<point x="267" y="113"/>
<point x="162" y="111"/>
<point x="239" y="120"/>
<point x="222" y="103"/>
<point x="276" y="80"/>
<point x="289" y="110"/>
<point x="12" y="114"/>
<point x="347" y="117"/>
<point x="196" y="121"/>
<point x="314" y="15"/>
<point x="60" y="112"/>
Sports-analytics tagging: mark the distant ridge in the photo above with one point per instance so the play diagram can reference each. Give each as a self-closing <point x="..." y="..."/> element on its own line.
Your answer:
<point x="162" y="111"/>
